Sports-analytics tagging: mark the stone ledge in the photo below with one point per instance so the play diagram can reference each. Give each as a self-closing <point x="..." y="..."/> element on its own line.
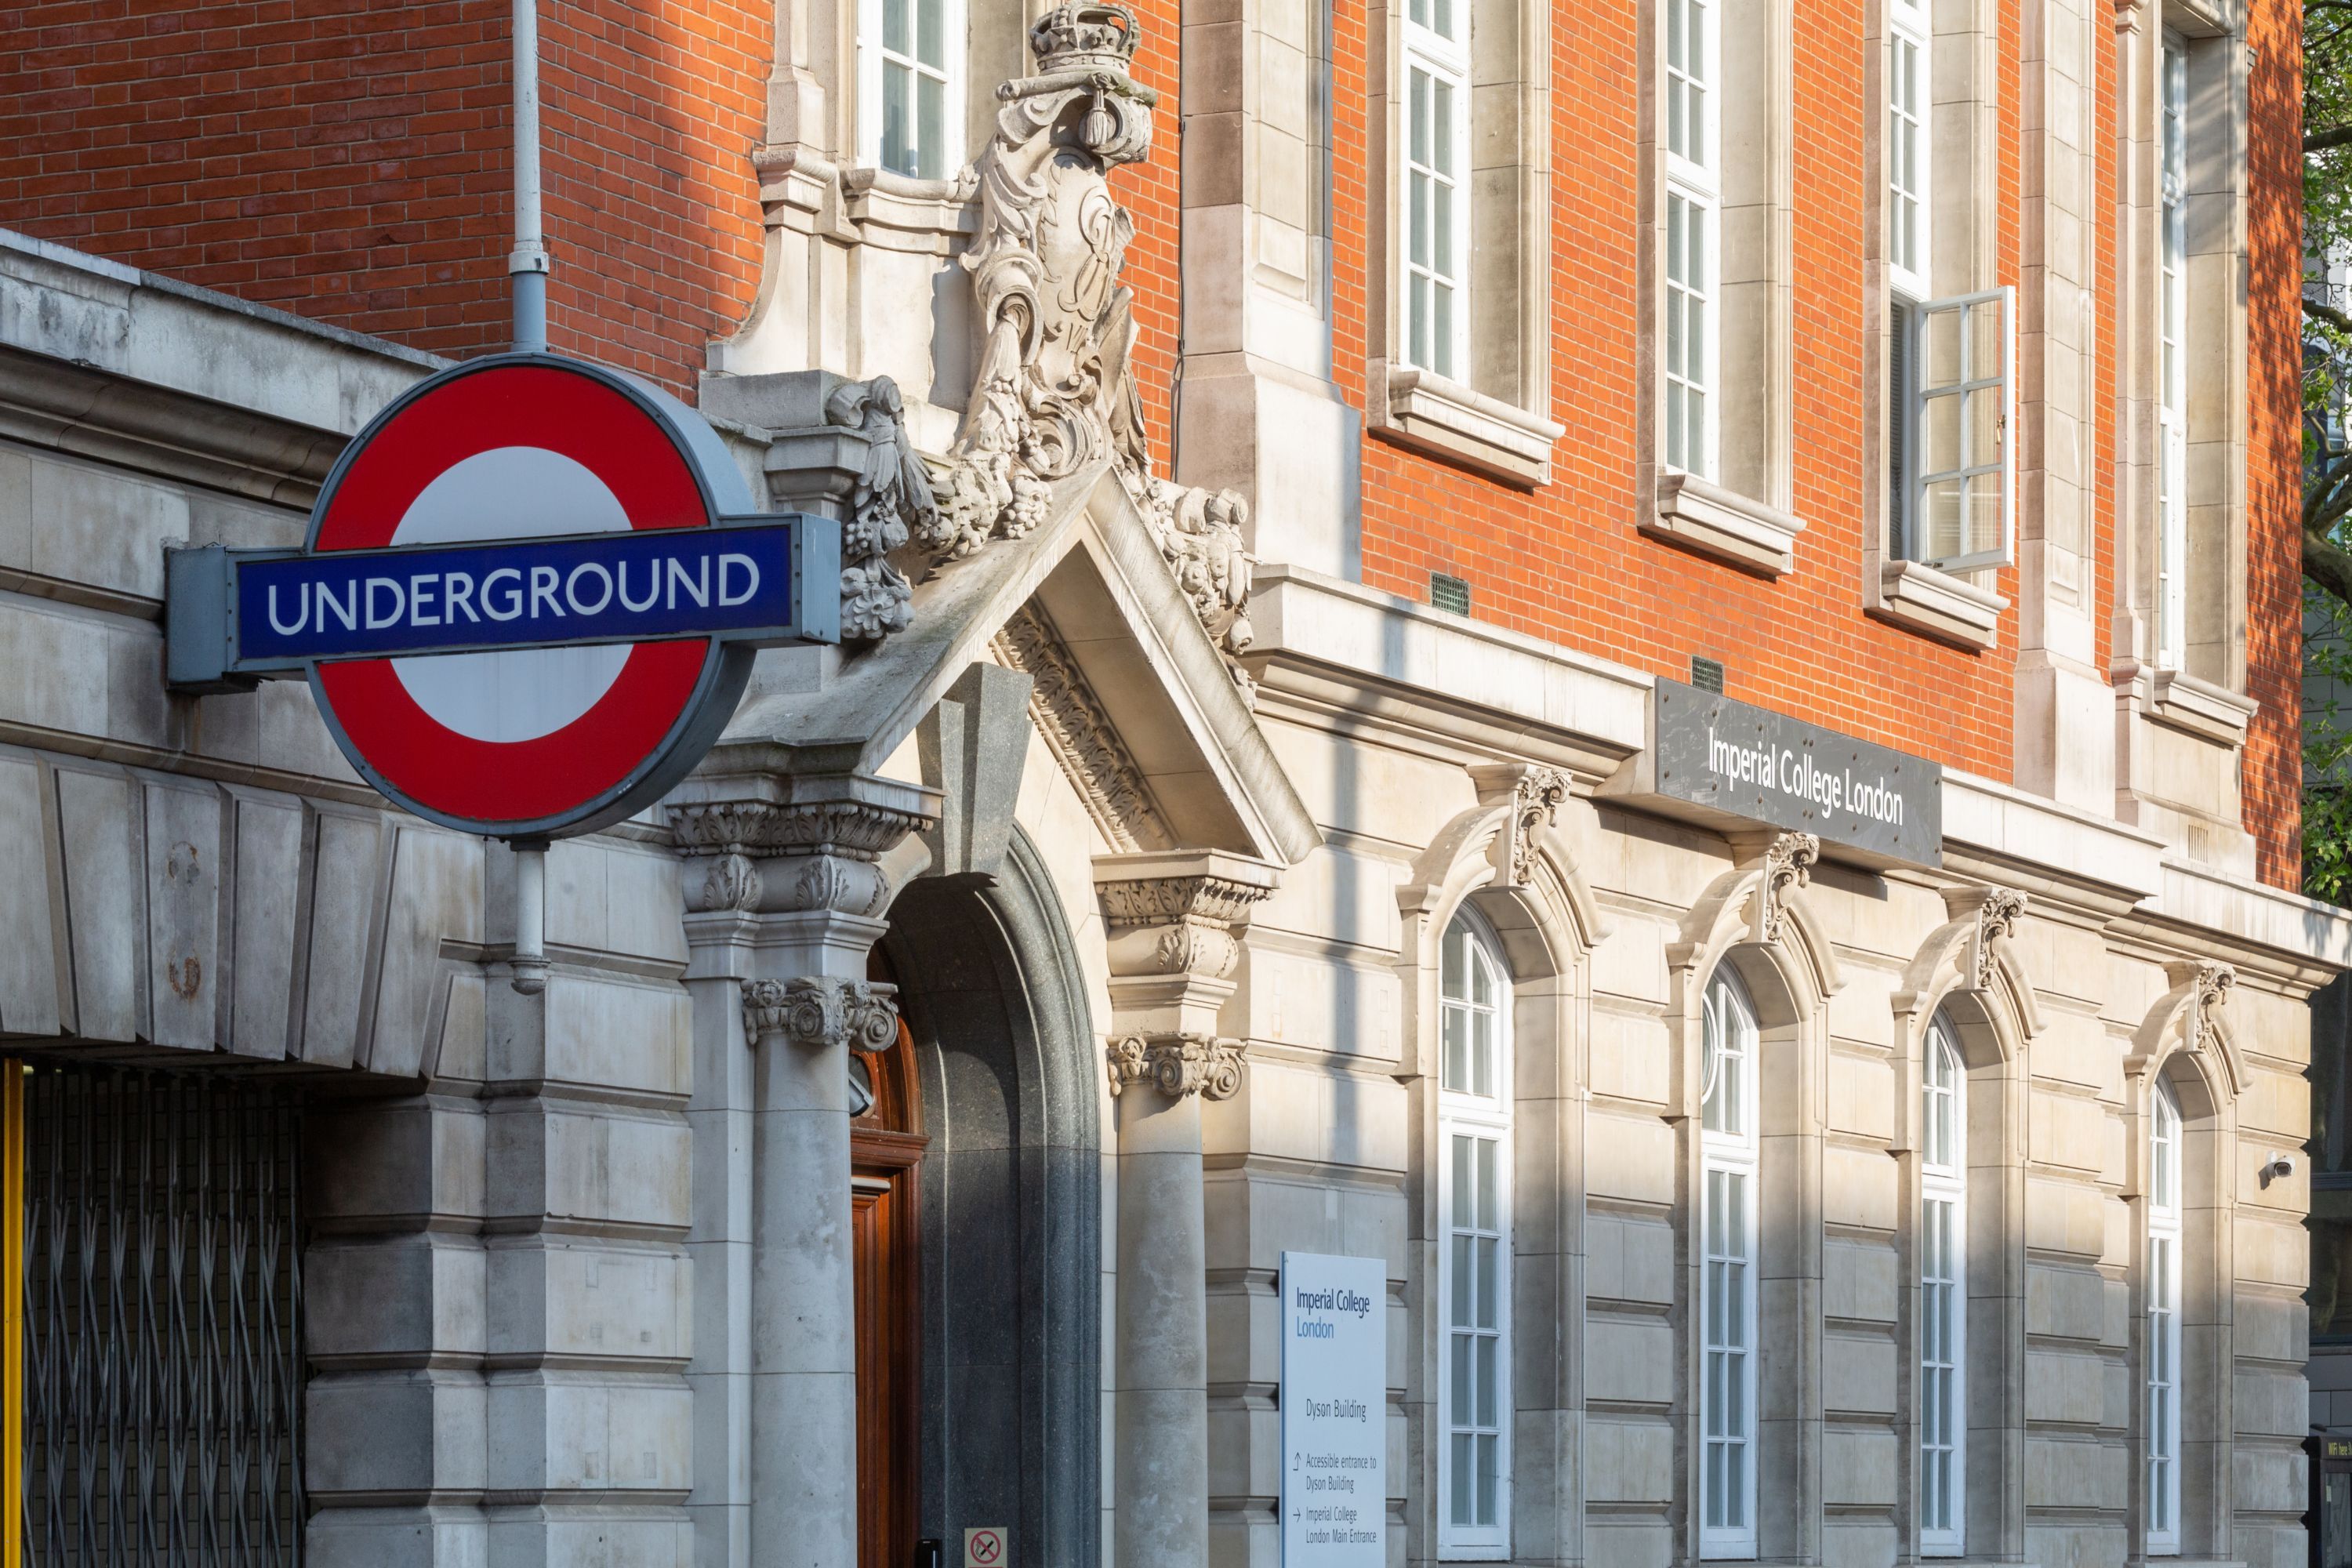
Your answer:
<point x="1728" y="526"/>
<point x="1428" y="411"/>
<point x="1935" y="604"/>
<point x="2199" y="708"/>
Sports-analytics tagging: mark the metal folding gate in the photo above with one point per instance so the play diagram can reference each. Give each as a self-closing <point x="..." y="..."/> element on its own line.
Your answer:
<point x="157" y="1354"/>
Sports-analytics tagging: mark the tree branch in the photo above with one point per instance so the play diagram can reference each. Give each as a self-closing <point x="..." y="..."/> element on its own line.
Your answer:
<point x="2327" y="314"/>
<point x="2328" y="564"/>
<point x="2322" y="141"/>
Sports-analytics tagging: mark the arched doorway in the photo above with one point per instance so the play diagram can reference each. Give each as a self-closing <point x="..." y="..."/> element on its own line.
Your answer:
<point x="998" y="1184"/>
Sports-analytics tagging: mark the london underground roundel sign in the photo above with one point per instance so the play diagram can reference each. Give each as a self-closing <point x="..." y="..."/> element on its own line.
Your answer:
<point x="529" y="601"/>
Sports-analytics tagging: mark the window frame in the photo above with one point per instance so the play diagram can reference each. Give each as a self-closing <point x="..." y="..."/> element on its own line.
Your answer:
<point x="1693" y="195"/>
<point x="2160" y="1367"/>
<point x="1943" y="1246"/>
<point x="1732" y="1153"/>
<point x="1909" y="22"/>
<point x="952" y="71"/>
<point x="2171" y="640"/>
<point x="1912" y="477"/>
<point x="1443" y="60"/>
<point x="1466" y="1114"/>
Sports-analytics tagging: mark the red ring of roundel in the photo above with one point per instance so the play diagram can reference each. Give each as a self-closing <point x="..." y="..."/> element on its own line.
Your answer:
<point x="520" y="781"/>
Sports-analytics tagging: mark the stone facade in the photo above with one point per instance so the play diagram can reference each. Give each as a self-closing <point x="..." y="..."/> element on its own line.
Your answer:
<point x="1160" y="810"/>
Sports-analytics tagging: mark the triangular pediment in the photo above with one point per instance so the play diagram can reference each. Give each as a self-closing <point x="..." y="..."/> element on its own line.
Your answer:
<point x="1135" y="700"/>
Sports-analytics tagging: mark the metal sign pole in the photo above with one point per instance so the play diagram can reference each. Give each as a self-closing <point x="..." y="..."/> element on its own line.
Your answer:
<point x="527" y="272"/>
<point x="527" y="263"/>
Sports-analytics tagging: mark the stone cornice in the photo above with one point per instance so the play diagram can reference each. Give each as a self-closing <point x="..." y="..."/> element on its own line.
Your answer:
<point x="1084" y="741"/>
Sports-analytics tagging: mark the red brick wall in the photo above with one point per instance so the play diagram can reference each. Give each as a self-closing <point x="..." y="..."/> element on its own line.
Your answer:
<point x="349" y="161"/>
<point x="1567" y="563"/>
<point x="1150" y="191"/>
<point x="2273" y="775"/>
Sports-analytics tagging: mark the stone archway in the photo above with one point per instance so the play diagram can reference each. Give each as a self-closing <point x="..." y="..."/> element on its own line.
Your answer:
<point x="1009" y="1069"/>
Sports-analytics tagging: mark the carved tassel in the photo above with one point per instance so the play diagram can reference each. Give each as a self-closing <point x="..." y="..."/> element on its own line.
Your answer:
<point x="1098" y="123"/>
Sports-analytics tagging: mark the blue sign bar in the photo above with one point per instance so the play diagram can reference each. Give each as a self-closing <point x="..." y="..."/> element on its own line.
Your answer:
<point x="624" y="587"/>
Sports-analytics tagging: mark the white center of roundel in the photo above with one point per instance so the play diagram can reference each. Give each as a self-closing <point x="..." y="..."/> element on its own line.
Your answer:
<point x="510" y="493"/>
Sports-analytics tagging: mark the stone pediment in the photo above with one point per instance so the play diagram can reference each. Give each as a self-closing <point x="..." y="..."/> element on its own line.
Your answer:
<point x="1133" y="694"/>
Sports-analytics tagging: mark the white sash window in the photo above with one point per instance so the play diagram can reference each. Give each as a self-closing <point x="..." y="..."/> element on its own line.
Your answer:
<point x="2172" y="394"/>
<point x="1437" y="186"/>
<point x="910" y="71"/>
<point x="1474" y="1257"/>
<point x="2163" y="1412"/>
<point x="1910" y="44"/>
<point x="1694" y="203"/>
<point x="1943" y="1295"/>
<point x="1728" y="1236"/>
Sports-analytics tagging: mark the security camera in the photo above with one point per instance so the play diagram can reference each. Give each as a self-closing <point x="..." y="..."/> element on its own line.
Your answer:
<point x="2277" y="1168"/>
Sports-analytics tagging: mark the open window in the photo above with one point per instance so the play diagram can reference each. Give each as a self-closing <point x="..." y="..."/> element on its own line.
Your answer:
<point x="1953" y="470"/>
<point x="1943" y="1425"/>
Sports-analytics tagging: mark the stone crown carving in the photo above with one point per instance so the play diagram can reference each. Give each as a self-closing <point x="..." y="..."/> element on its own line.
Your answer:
<point x="819" y="1012"/>
<point x="1055" y="394"/>
<point x="1177" y="1065"/>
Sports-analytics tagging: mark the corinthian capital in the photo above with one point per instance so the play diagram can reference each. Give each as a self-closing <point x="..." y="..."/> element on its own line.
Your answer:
<point x="1179" y="912"/>
<point x="1177" y="1065"/>
<point x="822" y="1011"/>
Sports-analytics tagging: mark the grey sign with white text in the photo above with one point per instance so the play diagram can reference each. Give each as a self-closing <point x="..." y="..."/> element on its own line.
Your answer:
<point x="1754" y="762"/>
<point x="1335" y="1411"/>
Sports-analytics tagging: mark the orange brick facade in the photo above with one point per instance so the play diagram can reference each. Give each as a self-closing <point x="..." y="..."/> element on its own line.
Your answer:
<point x="350" y="162"/>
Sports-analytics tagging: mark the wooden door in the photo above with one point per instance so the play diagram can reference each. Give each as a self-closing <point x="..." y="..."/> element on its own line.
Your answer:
<point x="886" y="1144"/>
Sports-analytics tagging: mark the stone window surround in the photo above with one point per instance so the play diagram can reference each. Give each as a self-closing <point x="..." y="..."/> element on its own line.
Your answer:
<point x="2204" y="698"/>
<point x="1962" y="609"/>
<point x="1499" y="423"/>
<point x="1743" y="515"/>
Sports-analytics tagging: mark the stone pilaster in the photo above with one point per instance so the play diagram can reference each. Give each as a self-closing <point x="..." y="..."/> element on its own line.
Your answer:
<point x="1173" y="921"/>
<point x="787" y="884"/>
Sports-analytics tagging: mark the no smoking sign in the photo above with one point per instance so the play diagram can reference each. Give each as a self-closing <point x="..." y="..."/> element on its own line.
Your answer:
<point x="984" y="1547"/>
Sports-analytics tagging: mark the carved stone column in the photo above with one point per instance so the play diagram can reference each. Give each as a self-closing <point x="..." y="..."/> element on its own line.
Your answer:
<point x="786" y="899"/>
<point x="1172" y="920"/>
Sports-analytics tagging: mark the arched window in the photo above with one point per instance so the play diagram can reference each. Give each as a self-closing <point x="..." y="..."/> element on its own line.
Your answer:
<point x="1474" y="1259"/>
<point x="2163" y="1408"/>
<point x="910" y="81"/>
<point x="1943" y="1294"/>
<point x="1728" y="1226"/>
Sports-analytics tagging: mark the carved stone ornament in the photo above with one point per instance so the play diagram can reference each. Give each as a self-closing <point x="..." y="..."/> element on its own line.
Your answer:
<point x="1176" y="925"/>
<point x="1084" y="741"/>
<point x="1788" y="864"/>
<point x="891" y="495"/>
<point x="2211" y="983"/>
<point x="731" y="883"/>
<point x="855" y="828"/>
<point x="822" y="1011"/>
<point x="1177" y="1065"/>
<point x="1056" y="393"/>
<point x="1997" y="918"/>
<point x="1536" y="800"/>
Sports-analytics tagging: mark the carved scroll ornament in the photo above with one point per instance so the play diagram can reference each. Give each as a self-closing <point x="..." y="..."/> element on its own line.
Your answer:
<point x="1177" y="1065"/>
<point x="1056" y="393"/>
<point x="822" y="1011"/>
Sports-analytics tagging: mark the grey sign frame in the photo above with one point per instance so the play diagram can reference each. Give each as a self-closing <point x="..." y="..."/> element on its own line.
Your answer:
<point x="1710" y="750"/>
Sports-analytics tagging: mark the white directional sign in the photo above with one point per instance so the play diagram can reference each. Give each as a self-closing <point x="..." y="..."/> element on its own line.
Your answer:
<point x="1335" y="1427"/>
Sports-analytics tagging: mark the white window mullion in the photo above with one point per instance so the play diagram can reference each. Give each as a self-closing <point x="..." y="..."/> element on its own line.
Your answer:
<point x="1943" y="1296"/>
<point x="1729" y="1239"/>
<point x="1473" y="1286"/>
<point x="2161" y="1438"/>
<point x="1962" y="354"/>
<point x="1693" y="239"/>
